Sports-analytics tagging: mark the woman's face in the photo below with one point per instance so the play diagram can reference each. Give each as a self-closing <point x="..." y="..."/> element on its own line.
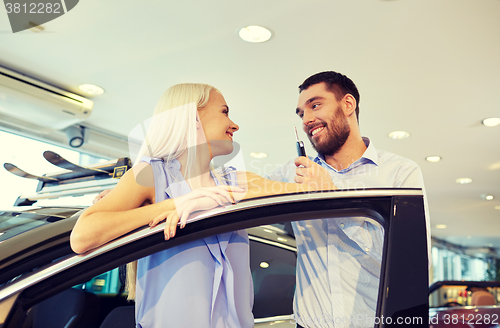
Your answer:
<point x="217" y="126"/>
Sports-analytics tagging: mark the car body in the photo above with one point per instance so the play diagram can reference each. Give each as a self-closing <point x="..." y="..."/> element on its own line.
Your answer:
<point x="38" y="263"/>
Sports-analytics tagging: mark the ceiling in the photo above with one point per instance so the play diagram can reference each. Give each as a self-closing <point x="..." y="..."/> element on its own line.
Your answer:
<point x="424" y="66"/>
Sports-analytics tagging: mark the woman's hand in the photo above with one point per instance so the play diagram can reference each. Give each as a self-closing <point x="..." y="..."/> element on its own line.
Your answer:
<point x="198" y="200"/>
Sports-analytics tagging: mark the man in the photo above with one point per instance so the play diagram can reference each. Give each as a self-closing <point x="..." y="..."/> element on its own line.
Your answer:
<point x="339" y="260"/>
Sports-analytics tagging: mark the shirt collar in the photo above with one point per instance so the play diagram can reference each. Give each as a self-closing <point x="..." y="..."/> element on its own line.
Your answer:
<point x="370" y="152"/>
<point x="370" y="155"/>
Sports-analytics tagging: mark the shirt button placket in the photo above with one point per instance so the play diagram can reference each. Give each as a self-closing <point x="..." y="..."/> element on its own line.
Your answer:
<point x="336" y="301"/>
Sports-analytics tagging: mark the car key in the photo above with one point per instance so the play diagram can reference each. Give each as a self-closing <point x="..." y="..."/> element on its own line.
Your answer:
<point x="301" y="151"/>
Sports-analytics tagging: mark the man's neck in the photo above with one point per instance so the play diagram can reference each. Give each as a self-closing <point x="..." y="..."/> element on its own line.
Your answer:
<point x="350" y="152"/>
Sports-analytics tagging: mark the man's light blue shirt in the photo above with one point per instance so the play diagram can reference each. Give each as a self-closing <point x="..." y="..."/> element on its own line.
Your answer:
<point x="339" y="260"/>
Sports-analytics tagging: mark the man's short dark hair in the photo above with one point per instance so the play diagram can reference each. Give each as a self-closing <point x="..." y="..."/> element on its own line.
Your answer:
<point x="338" y="84"/>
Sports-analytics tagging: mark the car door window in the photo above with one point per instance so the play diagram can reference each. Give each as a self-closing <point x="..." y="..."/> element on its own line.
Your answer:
<point x="338" y="269"/>
<point x="273" y="273"/>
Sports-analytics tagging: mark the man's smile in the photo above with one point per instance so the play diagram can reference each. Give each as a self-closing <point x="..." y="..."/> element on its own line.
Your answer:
<point x="314" y="131"/>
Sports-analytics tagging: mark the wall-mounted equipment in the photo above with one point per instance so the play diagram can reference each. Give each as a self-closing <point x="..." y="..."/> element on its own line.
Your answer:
<point x="75" y="135"/>
<point x="29" y="103"/>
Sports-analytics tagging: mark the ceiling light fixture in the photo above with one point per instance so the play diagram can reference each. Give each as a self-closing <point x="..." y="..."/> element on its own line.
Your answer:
<point x="433" y="159"/>
<point x="264" y="265"/>
<point x="258" y="155"/>
<point x="497" y="207"/>
<point x="463" y="180"/>
<point x="441" y="226"/>
<point x="491" y="122"/>
<point x="489" y="197"/>
<point x="255" y="34"/>
<point x="399" y="135"/>
<point x="91" y="89"/>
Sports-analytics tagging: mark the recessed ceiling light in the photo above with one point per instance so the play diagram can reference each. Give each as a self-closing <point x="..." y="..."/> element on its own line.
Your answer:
<point x="492" y="121"/>
<point x="399" y="135"/>
<point x="267" y="230"/>
<point x="255" y="34"/>
<point x="264" y="265"/>
<point x="497" y="207"/>
<point x="258" y="155"/>
<point x="282" y="239"/>
<point x="489" y="197"/>
<point x="463" y="180"/>
<point x="433" y="159"/>
<point x="91" y="89"/>
<point x="441" y="226"/>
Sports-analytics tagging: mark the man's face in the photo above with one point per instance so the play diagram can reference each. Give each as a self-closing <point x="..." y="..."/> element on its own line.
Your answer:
<point x="323" y="120"/>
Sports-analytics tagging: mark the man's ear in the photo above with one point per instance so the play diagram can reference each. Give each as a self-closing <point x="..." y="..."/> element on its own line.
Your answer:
<point x="349" y="104"/>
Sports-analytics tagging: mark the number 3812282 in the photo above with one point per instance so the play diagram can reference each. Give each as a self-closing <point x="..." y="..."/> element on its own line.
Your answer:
<point x="33" y="8"/>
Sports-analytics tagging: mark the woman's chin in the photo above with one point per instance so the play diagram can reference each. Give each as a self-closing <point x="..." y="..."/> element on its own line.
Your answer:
<point x="222" y="152"/>
<point x="221" y="147"/>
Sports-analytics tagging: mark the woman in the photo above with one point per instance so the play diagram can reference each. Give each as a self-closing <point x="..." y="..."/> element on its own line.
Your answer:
<point x="205" y="283"/>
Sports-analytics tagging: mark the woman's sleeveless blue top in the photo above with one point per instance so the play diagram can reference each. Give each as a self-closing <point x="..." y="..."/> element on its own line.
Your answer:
<point x="204" y="283"/>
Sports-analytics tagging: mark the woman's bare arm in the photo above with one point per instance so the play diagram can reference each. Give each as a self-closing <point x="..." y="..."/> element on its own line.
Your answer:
<point x="130" y="205"/>
<point x="257" y="186"/>
<point x="119" y="212"/>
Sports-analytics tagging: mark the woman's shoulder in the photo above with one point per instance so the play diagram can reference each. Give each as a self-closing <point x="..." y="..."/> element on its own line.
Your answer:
<point x="141" y="174"/>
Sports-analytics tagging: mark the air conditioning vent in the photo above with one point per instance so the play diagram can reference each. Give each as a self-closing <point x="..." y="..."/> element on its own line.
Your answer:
<point x="23" y="99"/>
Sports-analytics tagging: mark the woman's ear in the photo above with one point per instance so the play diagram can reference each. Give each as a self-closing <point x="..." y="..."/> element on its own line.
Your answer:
<point x="198" y="123"/>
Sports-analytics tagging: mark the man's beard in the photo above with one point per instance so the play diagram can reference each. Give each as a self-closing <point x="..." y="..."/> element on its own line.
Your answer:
<point x="336" y="133"/>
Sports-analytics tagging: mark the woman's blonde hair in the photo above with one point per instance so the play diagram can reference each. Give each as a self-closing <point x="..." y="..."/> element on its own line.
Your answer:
<point x="170" y="134"/>
<point x="172" y="129"/>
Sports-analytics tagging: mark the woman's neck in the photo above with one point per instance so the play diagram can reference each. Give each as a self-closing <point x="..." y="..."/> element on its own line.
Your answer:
<point x="198" y="174"/>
